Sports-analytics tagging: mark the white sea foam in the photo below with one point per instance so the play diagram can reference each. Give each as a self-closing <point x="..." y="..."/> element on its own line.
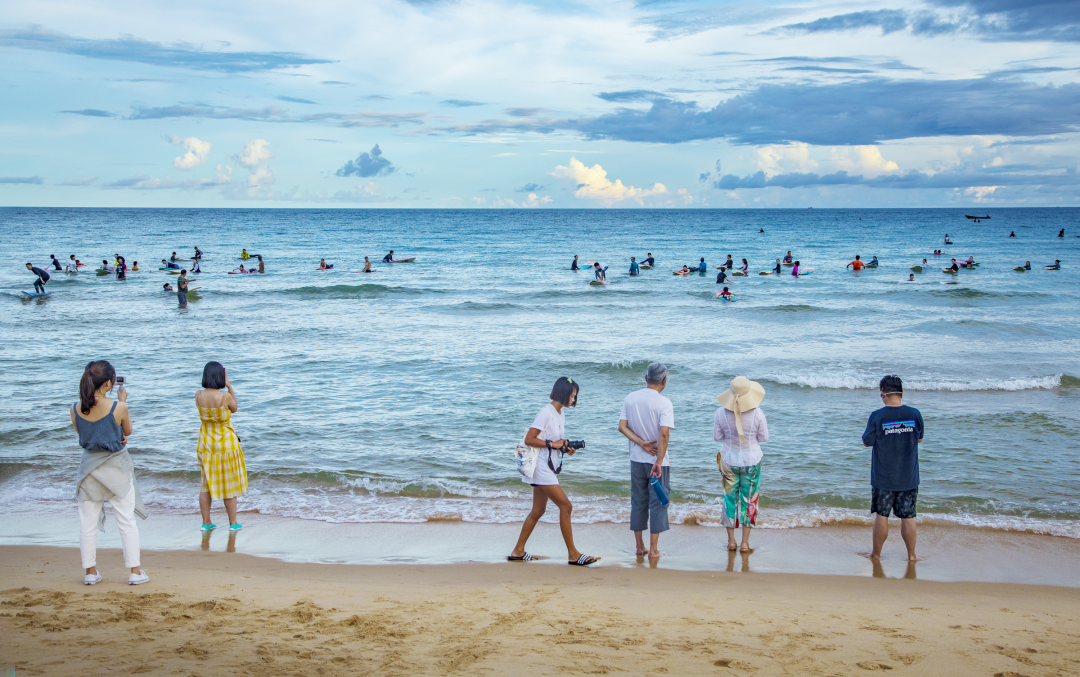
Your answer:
<point x="870" y="382"/>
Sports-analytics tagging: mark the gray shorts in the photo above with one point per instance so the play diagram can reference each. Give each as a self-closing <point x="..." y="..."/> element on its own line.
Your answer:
<point x="645" y="509"/>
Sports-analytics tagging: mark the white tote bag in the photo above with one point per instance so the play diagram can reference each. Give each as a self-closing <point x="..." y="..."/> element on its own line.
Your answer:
<point x="527" y="456"/>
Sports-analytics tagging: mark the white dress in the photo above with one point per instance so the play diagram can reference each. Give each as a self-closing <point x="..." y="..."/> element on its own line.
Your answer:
<point x="551" y="424"/>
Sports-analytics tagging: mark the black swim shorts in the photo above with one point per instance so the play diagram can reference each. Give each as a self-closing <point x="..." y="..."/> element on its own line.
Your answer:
<point x="900" y="502"/>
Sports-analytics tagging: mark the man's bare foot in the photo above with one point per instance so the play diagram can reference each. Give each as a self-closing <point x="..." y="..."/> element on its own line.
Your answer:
<point x="912" y="557"/>
<point x="654" y="553"/>
<point x="745" y="548"/>
<point x="733" y="546"/>
<point x="642" y="550"/>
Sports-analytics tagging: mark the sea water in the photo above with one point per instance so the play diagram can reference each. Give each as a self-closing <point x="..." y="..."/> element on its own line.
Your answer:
<point x="399" y="396"/>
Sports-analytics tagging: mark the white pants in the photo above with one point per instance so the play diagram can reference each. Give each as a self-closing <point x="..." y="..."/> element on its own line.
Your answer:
<point x="124" y="511"/>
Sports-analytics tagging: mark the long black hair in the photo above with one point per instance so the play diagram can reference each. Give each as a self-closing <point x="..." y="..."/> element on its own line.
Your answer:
<point x="563" y="390"/>
<point x="96" y="374"/>
<point x="213" y="376"/>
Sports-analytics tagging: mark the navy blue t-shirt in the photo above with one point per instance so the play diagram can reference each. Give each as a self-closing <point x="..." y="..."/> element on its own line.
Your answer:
<point x="894" y="433"/>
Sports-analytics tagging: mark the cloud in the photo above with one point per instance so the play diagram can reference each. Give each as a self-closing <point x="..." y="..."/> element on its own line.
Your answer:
<point x="197" y="152"/>
<point x="631" y="96"/>
<point x="991" y="20"/>
<point x="367" y="164"/>
<point x="461" y="103"/>
<point x="91" y="112"/>
<point x="85" y="181"/>
<point x="130" y="48"/>
<point x="910" y="180"/>
<point x="21" y="179"/>
<point x="704" y="176"/>
<point x="293" y="99"/>
<point x="593" y="184"/>
<point x="222" y="177"/>
<point x="523" y="111"/>
<point x="777" y="159"/>
<point x="529" y="188"/>
<point x="276" y="114"/>
<point x="254" y="157"/>
<point x="333" y="82"/>
<point x="530" y="202"/>
<point x="858" y="112"/>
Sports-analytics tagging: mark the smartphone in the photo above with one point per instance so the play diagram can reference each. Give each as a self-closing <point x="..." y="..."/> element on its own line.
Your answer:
<point x="121" y="381"/>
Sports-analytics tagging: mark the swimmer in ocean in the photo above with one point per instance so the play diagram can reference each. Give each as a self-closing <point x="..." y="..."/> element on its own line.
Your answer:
<point x="1062" y="233"/>
<point x="169" y="265"/>
<point x="701" y="266"/>
<point x="924" y="262"/>
<point x="1027" y="265"/>
<point x="856" y="265"/>
<point x="777" y="268"/>
<point x="954" y="267"/>
<point x="729" y="264"/>
<point x="134" y="266"/>
<point x="244" y="254"/>
<point x="195" y="266"/>
<point x="262" y="268"/>
<point x="198" y="254"/>
<point x="911" y="277"/>
<point x="573" y="264"/>
<point x="761" y="230"/>
<point x="367" y="265"/>
<point x="1012" y="233"/>
<point x="649" y="261"/>
<point x="634" y="267"/>
<point x="745" y="267"/>
<point x="684" y="271"/>
<point x="722" y="277"/>
<point x="389" y="258"/>
<point x="873" y="261"/>
<point x="167" y="287"/>
<point x="947" y="240"/>
<point x="55" y="263"/>
<point x="323" y="265"/>
<point x="599" y="272"/>
<point x="795" y="270"/>
<point x="787" y="259"/>
<point x="1056" y="266"/>
<point x="726" y="295"/>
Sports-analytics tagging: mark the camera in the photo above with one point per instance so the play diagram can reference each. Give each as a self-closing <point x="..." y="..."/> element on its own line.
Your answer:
<point x="574" y="444"/>
<point x="121" y="381"/>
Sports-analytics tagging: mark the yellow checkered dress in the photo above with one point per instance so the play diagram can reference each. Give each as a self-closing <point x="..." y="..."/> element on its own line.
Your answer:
<point x="224" y="473"/>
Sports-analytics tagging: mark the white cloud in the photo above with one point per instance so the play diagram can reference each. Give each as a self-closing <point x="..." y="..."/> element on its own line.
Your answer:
<point x="593" y="184"/>
<point x="530" y="202"/>
<point x="775" y="159"/>
<point x="369" y="189"/>
<point x="197" y="152"/>
<point x="980" y="192"/>
<point x="254" y="157"/>
<point x="866" y="160"/>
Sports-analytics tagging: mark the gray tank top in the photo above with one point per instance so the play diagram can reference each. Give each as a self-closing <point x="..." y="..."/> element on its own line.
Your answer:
<point x="103" y="434"/>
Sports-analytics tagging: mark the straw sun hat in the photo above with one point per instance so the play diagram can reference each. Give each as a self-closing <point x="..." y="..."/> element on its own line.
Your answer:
<point x="743" y="395"/>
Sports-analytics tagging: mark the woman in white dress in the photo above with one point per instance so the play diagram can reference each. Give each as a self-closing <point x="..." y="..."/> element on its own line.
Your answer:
<point x="547" y="435"/>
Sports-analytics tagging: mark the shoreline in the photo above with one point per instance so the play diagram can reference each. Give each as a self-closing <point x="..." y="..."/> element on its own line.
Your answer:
<point x="949" y="553"/>
<point x="212" y="613"/>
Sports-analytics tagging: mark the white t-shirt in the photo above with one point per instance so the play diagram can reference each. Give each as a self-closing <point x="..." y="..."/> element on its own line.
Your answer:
<point x="551" y="425"/>
<point x="645" y="411"/>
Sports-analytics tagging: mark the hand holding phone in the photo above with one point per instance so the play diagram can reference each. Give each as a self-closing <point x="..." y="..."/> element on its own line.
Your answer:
<point x="121" y="391"/>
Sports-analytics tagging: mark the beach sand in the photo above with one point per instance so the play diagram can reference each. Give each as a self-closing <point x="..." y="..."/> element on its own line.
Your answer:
<point x="229" y="613"/>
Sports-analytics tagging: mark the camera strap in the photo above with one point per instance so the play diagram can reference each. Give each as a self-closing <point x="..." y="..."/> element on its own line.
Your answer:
<point x="550" y="465"/>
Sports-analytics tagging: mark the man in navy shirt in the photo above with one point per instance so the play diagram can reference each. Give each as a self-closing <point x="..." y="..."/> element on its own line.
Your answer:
<point x="894" y="431"/>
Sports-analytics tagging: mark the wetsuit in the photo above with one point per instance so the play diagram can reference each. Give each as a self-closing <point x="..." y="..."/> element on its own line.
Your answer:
<point x="954" y="267"/>
<point x="650" y="262"/>
<point x="702" y="267"/>
<point x="574" y="265"/>
<point x="729" y="264"/>
<point x="181" y="290"/>
<point x="56" y="265"/>
<point x="389" y="258"/>
<point x="42" y="278"/>
<point x="198" y="254"/>
<point x="777" y="269"/>
<point x="634" y="268"/>
<point x="721" y="277"/>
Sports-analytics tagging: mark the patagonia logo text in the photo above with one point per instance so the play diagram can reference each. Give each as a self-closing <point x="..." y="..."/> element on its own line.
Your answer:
<point x="898" y="427"/>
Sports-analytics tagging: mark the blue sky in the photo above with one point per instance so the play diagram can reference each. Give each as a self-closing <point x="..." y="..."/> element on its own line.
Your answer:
<point x="389" y="103"/>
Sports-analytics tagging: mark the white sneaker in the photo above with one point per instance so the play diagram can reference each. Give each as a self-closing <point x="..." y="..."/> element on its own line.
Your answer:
<point x="92" y="579"/>
<point x="137" y="579"/>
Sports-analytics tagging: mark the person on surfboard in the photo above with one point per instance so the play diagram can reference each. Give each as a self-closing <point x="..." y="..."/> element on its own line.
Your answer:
<point x="42" y="278"/>
<point x="389" y="258"/>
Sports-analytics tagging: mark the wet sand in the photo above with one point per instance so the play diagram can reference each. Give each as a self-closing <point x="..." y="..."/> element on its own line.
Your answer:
<point x="230" y="613"/>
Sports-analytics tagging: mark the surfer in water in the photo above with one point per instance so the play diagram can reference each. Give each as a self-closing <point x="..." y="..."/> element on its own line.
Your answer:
<point x="702" y="267"/>
<point x="55" y="263"/>
<point x="855" y="265"/>
<point x="795" y="270"/>
<point x="574" y="265"/>
<point x="761" y="230"/>
<point x="323" y="265"/>
<point x="195" y="266"/>
<point x="1027" y="265"/>
<point x="389" y="258"/>
<point x="911" y="277"/>
<point x="182" y="288"/>
<point x="777" y="268"/>
<point x="167" y="287"/>
<point x="1056" y="266"/>
<point x="788" y="259"/>
<point x="722" y="277"/>
<point x="634" y="268"/>
<point x="954" y="267"/>
<point x="947" y="240"/>
<point x="1062" y="233"/>
<point x="729" y="264"/>
<point x="649" y="261"/>
<point x="198" y="254"/>
<point x="873" y="261"/>
<point x="599" y="272"/>
<point x="1012" y="233"/>
<point x="42" y="278"/>
<point x="726" y="294"/>
<point x="367" y="265"/>
<point x="745" y="267"/>
<point x="262" y="268"/>
<point x="244" y="254"/>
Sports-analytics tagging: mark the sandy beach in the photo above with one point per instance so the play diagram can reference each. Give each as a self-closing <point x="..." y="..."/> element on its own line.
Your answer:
<point x="215" y="613"/>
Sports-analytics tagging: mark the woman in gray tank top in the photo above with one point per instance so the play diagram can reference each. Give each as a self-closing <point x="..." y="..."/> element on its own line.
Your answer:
<point x="105" y="472"/>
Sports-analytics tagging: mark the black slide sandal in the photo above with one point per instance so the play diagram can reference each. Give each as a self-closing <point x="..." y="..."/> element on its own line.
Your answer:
<point x="585" y="560"/>
<point x="524" y="558"/>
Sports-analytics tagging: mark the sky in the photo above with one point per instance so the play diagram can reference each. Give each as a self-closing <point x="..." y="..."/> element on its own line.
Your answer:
<point x="595" y="104"/>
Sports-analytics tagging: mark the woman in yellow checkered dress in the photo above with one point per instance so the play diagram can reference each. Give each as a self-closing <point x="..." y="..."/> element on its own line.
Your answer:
<point x="224" y="475"/>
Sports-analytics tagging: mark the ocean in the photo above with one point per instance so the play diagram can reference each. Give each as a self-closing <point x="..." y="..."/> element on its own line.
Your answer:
<point x="399" y="396"/>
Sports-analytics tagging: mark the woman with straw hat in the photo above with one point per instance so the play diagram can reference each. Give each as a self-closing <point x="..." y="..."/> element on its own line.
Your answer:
<point x="741" y="427"/>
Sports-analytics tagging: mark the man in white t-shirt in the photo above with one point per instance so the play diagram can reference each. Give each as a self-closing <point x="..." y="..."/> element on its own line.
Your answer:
<point x="646" y="420"/>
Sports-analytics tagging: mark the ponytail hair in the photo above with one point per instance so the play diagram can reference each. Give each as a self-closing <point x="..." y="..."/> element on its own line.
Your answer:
<point x="96" y="374"/>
